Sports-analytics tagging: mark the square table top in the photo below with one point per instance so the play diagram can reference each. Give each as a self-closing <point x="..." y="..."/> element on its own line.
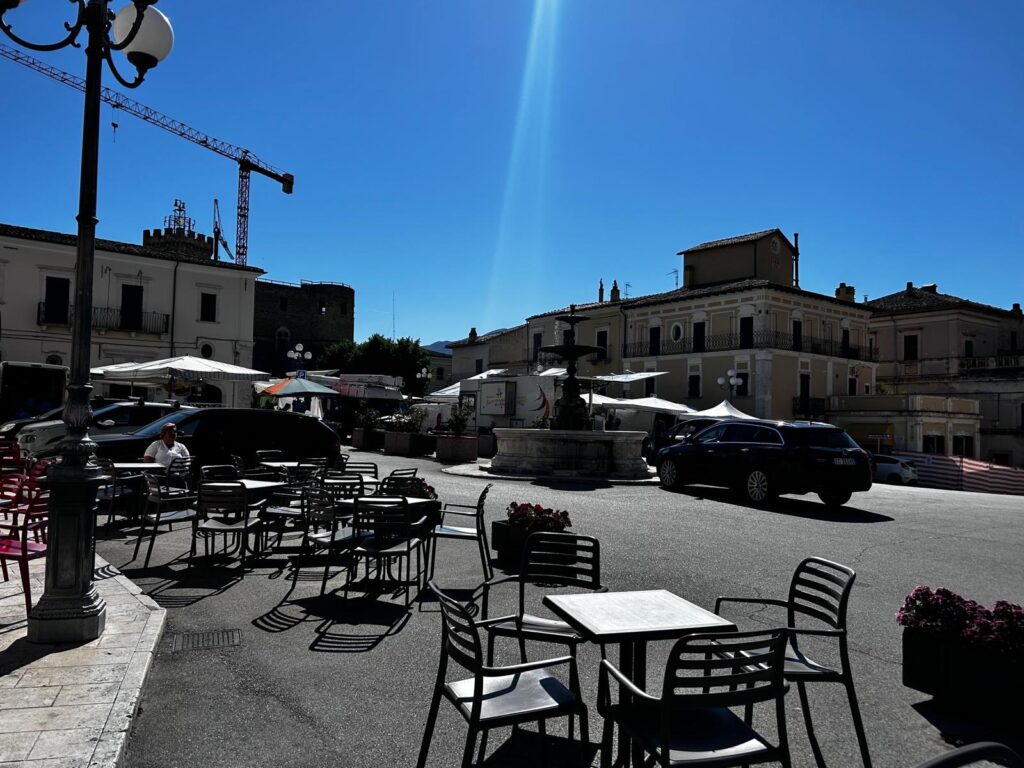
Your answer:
<point x="146" y="466"/>
<point x="279" y="464"/>
<point x="414" y="503"/>
<point x="656" y="614"/>
<point x="250" y="485"/>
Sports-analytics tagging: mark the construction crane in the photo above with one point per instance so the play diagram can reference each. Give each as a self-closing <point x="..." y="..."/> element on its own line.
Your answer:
<point x="247" y="161"/>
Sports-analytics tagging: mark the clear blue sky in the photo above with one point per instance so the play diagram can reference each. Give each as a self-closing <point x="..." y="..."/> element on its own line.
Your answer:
<point x="484" y="161"/>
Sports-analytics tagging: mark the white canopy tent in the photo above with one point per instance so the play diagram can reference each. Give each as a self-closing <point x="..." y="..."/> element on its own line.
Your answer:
<point x="724" y="410"/>
<point x="184" y="367"/>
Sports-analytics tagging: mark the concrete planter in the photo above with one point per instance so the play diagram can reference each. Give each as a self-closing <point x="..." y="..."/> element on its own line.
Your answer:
<point x="407" y="443"/>
<point x="957" y="672"/>
<point x="456" y="450"/>
<point x="367" y="439"/>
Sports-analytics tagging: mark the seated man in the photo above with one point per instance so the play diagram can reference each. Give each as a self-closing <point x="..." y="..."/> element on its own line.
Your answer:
<point x="166" y="449"/>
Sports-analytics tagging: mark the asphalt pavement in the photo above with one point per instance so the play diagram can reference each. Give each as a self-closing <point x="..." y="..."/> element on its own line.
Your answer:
<point x="305" y="680"/>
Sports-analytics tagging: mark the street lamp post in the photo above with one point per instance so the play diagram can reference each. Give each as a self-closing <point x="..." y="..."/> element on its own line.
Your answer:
<point x="299" y="354"/>
<point x="70" y="609"/>
<point x="729" y="382"/>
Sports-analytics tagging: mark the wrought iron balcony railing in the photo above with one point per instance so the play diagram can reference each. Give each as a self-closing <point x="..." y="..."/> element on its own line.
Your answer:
<point x="106" y="318"/>
<point x="757" y="340"/>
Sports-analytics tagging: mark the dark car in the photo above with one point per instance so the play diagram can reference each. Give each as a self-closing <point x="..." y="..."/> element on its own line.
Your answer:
<point x="9" y="429"/>
<point x="654" y="443"/>
<point x="762" y="459"/>
<point x="213" y="435"/>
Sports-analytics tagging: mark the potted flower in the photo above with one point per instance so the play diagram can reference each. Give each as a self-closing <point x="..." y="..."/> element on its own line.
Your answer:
<point x="401" y="432"/>
<point x="957" y="649"/>
<point x="366" y="434"/>
<point x="457" y="448"/>
<point x="508" y="537"/>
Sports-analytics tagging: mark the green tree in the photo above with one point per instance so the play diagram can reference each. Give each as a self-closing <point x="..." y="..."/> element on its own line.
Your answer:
<point x="379" y="354"/>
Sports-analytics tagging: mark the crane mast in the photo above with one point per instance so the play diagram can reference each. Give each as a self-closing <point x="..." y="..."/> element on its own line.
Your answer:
<point x="247" y="161"/>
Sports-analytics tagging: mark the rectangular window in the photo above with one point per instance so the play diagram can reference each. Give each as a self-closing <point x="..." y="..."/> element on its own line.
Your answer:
<point x="934" y="444"/>
<point x="439" y="374"/>
<point x="284" y="304"/>
<point x="698" y="337"/>
<point x="910" y="346"/>
<point x="746" y="332"/>
<point x="479" y="364"/>
<point x="131" y="307"/>
<point x="693" y="385"/>
<point x="805" y="392"/>
<point x="867" y="389"/>
<point x="963" y="445"/>
<point x="798" y="335"/>
<point x="845" y="342"/>
<point x="650" y="389"/>
<point x="323" y="306"/>
<point x="602" y="342"/>
<point x="743" y="388"/>
<point x="208" y="307"/>
<point x="969" y="348"/>
<point x="851" y="385"/>
<point x="57" y="301"/>
<point x="538" y="342"/>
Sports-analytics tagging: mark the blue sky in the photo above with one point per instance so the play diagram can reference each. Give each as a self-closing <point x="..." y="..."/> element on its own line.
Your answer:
<point x="471" y="163"/>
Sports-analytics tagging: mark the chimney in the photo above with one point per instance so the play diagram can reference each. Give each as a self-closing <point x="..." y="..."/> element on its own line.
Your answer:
<point x="600" y="291"/>
<point x="614" y="295"/>
<point x="472" y="335"/>
<point x="846" y="293"/>
<point x="796" y="259"/>
<point x="910" y="285"/>
<point x="930" y="288"/>
<point x="1016" y="308"/>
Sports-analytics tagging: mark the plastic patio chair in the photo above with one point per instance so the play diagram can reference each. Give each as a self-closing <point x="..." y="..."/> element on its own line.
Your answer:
<point x="819" y="592"/>
<point x="224" y="510"/>
<point x="387" y="533"/>
<point x="15" y="543"/>
<point x="549" y="558"/>
<point x="476" y="532"/>
<point x="692" y="723"/>
<point x="495" y="697"/>
<point x="164" y="506"/>
<point x="989" y="751"/>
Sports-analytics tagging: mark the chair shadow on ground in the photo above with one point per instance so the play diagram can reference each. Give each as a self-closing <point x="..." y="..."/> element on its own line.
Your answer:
<point x="968" y="723"/>
<point x="519" y="748"/>
<point x="202" y="579"/>
<point x="787" y="505"/>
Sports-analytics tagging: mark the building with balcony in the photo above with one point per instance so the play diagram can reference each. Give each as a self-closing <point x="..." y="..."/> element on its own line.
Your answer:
<point x="504" y="348"/>
<point x="166" y="297"/>
<point x="931" y="343"/>
<point x="314" y="314"/>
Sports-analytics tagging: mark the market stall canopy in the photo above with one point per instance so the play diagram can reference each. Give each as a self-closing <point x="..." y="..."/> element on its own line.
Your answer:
<point x="655" y="405"/>
<point x="184" y="367"/>
<point x="597" y="400"/>
<point x="298" y="388"/>
<point x="627" y="377"/>
<point x="725" y="410"/>
<point x="449" y="394"/>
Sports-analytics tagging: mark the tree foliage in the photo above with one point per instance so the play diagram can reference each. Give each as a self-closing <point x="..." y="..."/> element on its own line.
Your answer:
<point x="402" y="357"/>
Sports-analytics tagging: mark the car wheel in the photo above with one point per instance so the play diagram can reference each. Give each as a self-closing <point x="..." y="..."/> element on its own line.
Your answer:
<point x="895" y="479"/>
<point x="756" y="486"/>
<point x="834" y="498"/>
<point x="668" y="474"/>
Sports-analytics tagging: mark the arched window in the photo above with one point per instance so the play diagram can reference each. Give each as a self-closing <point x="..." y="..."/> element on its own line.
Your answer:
<point x="54" y="360"/>
<point x="283" y="339"/>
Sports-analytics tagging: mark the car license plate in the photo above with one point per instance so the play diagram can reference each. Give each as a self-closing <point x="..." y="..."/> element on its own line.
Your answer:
<point x="846" y="461"/>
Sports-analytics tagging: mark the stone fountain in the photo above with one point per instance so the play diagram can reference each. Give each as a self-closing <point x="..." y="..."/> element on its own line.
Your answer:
<point x="570" y="448"/>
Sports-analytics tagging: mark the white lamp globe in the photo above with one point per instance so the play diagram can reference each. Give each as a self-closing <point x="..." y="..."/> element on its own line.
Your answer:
<point x="152" y="43"/>
<point x="291" y="354"/>
<point x="298" y="347"/>
<point x="308" y="355"/>
<point x="721" y="381"/>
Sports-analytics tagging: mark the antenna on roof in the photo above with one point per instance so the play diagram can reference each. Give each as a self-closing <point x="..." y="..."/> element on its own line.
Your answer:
<point x="626" y="287"/>
<point x="676" y="273"/>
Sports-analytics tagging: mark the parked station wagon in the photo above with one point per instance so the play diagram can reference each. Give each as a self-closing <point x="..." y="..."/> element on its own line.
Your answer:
<point x="762" y="459"/>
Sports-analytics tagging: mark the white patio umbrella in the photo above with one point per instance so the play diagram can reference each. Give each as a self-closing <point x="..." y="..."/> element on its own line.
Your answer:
<point x="725" y="410"/>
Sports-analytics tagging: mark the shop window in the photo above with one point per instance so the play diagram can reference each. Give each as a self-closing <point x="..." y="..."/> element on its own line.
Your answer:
<point x="693" y="385"/>
<point x="935" y="444"/>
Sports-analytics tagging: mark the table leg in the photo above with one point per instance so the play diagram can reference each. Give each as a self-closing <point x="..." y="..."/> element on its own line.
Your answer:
<point x="639" y="677"/>
<point x="626" y="654"/>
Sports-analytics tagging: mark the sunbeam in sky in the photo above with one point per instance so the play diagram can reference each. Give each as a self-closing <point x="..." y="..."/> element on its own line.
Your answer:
<point x="520" y="245"/>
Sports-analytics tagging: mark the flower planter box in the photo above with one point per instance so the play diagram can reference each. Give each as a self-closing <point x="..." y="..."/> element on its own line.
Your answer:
<point x="456" y="450"/>
<point x="407" y="444"/>
<point x="948" y="669"/>
<point x="367" y="439"/>
<point x="509" y="541"/>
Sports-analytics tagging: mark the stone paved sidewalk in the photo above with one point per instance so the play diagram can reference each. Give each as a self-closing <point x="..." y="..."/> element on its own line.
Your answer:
<point x="72" y="705"/>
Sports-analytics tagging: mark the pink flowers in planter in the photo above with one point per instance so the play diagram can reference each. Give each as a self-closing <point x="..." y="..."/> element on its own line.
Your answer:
<point x="943" y="613"/>
<point x="534" y="517"/>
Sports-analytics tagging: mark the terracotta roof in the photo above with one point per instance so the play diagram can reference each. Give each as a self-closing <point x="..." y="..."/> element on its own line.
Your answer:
<point x="580" y="308"/>
<point x="911" y="300"/>
<point x="112" y="246"/>
<point x="485" y="337"/>
<point x="738" y="239"/>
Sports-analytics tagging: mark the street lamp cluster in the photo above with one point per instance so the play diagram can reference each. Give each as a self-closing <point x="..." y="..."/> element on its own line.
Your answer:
<point x="730" y="381"/>
<point x="299" y="354"/>
<point x="70" y="609"/>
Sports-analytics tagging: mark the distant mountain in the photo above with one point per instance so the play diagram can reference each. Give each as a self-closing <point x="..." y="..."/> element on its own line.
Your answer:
<point x="439" y="346"/>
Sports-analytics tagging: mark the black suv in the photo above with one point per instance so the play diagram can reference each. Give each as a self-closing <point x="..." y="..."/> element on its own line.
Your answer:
<point x="762" y="459"/>
<point x="654" y="443"/>
<point x="213" y="435"/>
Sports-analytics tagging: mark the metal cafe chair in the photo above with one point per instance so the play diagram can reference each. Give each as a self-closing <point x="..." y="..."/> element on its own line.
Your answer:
<point x="692" y="723"/>
<point x="552" y="559"/>
<point x="405" y="472"/>
<point x="476" y="532"/>
<point x="324" y="526"/>
<point x="224" y="509"/>
<point x="388" y="533"/>
<point x="495" y="697"/>
<point x="819" y="592"/>
<point x="164" y="506"/>
<point x="989" y="751"/>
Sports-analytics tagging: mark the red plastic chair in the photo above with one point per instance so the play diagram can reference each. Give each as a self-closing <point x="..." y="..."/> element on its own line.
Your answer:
<point x="32" y="517"/>
<point x="10" y="491"/>
<point x="10" y="456"/>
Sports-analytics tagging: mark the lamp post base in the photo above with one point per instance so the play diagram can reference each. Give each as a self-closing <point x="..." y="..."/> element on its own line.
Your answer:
<point x="70" y="610"/>
<point x="77" y="619"/>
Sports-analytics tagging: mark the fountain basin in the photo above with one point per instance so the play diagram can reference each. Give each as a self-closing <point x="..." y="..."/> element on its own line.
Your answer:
<point x="570" y="452"/>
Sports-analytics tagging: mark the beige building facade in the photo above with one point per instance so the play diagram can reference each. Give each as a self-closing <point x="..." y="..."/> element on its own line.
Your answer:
<point x="164" y="298"/>
<point x="505" y="348"/>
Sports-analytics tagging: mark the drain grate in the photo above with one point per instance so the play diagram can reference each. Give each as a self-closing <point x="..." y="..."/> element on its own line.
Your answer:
<point x="196" y="641"/>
